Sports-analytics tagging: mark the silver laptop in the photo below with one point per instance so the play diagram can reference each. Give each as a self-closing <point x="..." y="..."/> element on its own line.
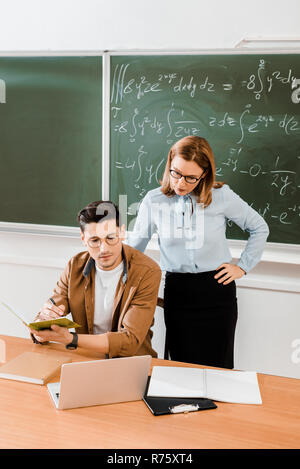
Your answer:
<point x="101" y="382"/>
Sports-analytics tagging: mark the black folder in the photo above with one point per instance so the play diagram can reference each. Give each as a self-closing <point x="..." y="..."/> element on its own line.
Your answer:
<point x="173" y="405"/>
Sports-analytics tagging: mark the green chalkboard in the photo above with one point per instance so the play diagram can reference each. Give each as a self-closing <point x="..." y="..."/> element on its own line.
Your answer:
<point x="50" y="137"/>
<point x="246" y="106"/>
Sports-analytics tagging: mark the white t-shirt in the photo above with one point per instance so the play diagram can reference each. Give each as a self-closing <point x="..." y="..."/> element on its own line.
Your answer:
<point x="106" y="282"/>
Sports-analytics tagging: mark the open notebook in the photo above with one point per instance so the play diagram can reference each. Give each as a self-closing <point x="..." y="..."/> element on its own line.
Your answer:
<point x="40" y="325"/>
<point x="240" y="387"/>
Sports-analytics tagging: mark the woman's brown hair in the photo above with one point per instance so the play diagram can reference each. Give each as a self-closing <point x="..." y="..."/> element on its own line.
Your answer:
<point x="193" y="148"/>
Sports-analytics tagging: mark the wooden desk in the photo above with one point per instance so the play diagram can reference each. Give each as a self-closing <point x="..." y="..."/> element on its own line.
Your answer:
<point x="30" y="420"/>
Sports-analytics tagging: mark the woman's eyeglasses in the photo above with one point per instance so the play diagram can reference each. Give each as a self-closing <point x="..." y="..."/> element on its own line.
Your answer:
<point x="188" y="179"/>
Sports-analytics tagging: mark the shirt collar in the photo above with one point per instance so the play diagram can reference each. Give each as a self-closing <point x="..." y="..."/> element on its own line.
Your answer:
<point x="91" y="265"/>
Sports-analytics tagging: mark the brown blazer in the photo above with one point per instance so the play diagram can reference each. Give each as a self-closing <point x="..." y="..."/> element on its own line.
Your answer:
<point x="134" y="303"/>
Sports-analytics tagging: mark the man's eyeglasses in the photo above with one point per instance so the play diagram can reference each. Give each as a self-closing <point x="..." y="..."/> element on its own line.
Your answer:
<point x="188" y="179"/>
<point x="111" y="240"/>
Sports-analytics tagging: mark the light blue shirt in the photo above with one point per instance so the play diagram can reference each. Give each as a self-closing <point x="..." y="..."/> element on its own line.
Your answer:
<point x="192" y="238"/>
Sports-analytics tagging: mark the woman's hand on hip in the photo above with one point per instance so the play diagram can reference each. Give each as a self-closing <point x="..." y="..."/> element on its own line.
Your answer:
<point x="229" y="273"/>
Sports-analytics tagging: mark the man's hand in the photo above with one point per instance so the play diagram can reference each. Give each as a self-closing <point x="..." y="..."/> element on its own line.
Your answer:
<point x="55" y="334"/>
<point x="49" y="311"/>
<point x="229" y="273"/>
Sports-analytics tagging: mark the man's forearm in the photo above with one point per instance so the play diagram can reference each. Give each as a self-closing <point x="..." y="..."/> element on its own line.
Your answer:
<point x="98" y="343"/>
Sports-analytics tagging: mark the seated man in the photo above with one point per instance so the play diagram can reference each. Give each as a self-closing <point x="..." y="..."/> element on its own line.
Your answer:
<point x="111" y="290"/>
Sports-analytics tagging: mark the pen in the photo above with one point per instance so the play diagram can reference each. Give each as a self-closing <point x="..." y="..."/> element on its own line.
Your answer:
<point x="53" y="302"/>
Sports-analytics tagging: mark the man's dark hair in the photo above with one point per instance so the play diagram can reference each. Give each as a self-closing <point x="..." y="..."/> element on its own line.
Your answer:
<point x="98" y="211"/>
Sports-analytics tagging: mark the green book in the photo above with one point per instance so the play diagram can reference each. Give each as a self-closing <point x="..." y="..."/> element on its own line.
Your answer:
<point x="62" y="322"/>
<point x="40" y="325"/>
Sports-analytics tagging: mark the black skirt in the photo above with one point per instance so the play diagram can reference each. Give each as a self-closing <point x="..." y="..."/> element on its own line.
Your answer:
<point x="200" y="318"/>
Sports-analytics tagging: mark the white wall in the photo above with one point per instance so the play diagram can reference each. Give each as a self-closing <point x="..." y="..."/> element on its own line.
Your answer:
<point x="268" y="331"/>
<point x="141" y="24"/>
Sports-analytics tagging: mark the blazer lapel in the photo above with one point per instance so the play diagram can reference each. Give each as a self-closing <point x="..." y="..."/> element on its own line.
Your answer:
<point x="89" y="294"/>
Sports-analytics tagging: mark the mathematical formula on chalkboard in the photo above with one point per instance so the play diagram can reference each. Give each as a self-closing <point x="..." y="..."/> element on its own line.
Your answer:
<point x="257" y="83"/>
<point x="247" y="107"/>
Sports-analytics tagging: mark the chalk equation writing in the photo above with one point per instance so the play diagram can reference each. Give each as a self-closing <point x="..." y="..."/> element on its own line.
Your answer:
<point x="120" y="88"/>
<point x="174" y="124"/>
<point x="141" y="166"/>
<point x="283" y="180"/>
<point x="259" y="83"/>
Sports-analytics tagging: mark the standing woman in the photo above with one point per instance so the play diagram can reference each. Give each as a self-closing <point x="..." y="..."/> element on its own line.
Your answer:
<point x="189" y="213"/>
